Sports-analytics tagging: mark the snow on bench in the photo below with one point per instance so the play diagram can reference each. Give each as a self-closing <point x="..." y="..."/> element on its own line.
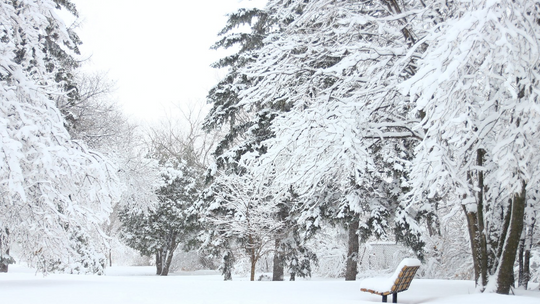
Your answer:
<point x="399" y="281"/>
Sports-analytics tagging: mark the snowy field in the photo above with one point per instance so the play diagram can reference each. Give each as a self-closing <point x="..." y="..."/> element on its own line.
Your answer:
<point x="139" y="285"/>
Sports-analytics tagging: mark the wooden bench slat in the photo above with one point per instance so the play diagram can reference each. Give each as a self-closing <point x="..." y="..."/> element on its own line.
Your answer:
<point x="402" y="283"/>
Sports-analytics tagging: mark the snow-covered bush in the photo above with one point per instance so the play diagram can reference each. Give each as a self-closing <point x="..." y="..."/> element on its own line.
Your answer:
<point x="330" y="245"/>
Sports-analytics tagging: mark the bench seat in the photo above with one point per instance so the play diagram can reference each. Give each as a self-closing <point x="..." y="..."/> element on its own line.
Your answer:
<point x="399" y="281"/>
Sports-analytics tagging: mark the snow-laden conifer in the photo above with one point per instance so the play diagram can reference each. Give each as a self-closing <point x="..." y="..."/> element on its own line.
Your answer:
<point x="345" y="144"/>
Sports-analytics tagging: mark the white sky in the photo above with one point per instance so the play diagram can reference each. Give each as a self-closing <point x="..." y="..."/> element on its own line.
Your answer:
<point x="157" y="52"/>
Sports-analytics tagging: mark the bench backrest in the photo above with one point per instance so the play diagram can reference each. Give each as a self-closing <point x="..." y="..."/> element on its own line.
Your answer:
<point x="404" y="279"/>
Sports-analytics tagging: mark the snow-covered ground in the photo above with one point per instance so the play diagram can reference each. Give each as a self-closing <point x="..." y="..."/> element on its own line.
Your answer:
<point x="139" y="285"/>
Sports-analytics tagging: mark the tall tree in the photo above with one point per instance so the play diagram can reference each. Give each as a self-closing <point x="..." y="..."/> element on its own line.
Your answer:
<point x="245" y="129"/>
<point x="477" y="88"/>
<point x="56" y="192"/>
<point x="347" y="138"/>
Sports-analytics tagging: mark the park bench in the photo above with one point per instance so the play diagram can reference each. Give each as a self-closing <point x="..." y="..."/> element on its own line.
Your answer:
<point x="399" y="281"/>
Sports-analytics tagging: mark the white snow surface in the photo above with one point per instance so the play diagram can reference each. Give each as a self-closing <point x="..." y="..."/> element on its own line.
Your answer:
<point x="385" y="284"/>
<point x="139" y="285"/>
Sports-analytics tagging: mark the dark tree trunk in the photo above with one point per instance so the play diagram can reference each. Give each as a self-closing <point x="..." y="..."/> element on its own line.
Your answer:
<point x="527" y="254"/>
<point x="277" y="271"/>
<point x="475" y="242"/>
<point x="169" y="252"/>
<point x="4" y="267"/>
<point x="526" y="269"/>
<point x="159" y="262"/>
<point x="253" y="260"/>
<point x="521" y="252"/>
<point x="228" y="261"/>
<point x="352" y="252"/>
<point x="253" y="256"/>
<point x="4" y="251"/>
<point x="499" y="244"/>
<point x="484" y="260"/>
<point x="505" y="278"/>
<point x="168" y="255"/>
<point x="476" y="228"/>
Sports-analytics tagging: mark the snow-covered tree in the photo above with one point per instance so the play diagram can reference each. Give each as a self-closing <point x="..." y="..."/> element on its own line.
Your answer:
<point x="477" y="87"/>
<point x="383" y="111"/>
<point x="224" y="96"/>
<point x="244" y="129"/>
<point x="345" y="141"/>
<point x="227" y="112"/>
<point x="55" y="191"/>
<point x="241" y="217"/>
<point x="92" y="115"/>
<point x="168" y="222"/>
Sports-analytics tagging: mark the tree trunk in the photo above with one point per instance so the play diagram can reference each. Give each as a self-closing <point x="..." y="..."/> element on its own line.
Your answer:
<point x="167" y="262"/>
<point x="159" y="262"/>
<point x="526" y="269"/>
<point x="5" y="259"/>
<point x="227" y="266"/>
<point x="169" y="255"/>
<point x="277" y="271"/>
<point x="352" y="253"/>
<point x="505" y="277"/>
<point x="484" y="265"/>
<point x="521" y="252"/>
<point x="475" y="244"/>
<point x="253" y="260"/>
<point x="476" y="228"/>
<point x="527" y="255"/>
<point x="4" y="266"/>
<point x="500" y="241"/>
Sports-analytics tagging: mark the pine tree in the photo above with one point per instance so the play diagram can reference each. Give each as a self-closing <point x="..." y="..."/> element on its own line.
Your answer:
<point x="245" y="130"/>
<point x="167" y="223"/>
<point x="333" y="67"/>
<point x="325" y="77"/>
<point x="170" y="219"/>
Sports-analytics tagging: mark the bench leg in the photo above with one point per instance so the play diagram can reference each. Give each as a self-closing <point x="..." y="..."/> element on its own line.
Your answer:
<point x="394" y="297"/>
<point x="384" y="298"/>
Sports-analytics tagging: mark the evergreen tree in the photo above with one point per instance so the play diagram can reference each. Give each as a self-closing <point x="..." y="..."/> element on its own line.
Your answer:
<point x="226" y="108"/>
<point x="171" y="219"/>
<point x="245" y="130"/>
<point x="331" y="127"/>
<point x="167" y="223"/>
<point x="291" y="251"/>
<point x="333" y="66"/>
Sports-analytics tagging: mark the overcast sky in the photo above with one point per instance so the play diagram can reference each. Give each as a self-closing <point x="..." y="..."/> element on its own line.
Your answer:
<point x="157" y="51"/>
